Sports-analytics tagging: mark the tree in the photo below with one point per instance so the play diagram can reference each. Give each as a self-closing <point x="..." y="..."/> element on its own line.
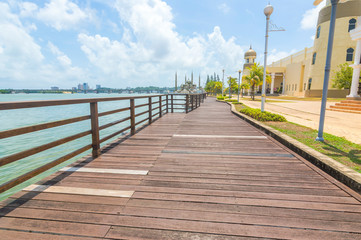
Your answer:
<point x="243" y="86"/>
<point x="218" y="87"/>
<point x="255" y="77"/>
<point x="232" y="82"/>
<point x="343" y="77"/>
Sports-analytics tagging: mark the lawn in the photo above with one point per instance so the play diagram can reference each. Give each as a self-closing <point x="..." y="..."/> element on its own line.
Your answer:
<point x="338" y="148"/>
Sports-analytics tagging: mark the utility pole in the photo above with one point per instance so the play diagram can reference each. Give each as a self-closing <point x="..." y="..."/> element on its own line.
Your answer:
<point x="222" y="82"/>
<point x="175" y="89"/>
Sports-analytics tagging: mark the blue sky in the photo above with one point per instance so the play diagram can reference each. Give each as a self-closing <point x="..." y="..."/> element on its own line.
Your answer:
<point x="130" y="43"/>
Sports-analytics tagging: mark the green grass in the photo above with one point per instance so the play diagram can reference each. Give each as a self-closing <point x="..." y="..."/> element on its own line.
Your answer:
<point x="338" y="148"/>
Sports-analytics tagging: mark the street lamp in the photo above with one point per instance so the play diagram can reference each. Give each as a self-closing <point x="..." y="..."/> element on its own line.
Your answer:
<point x="229" y="86"/>
<point x="222" y="82"/>
<point x="327" y="66"/>
<point x="239" y="82"/>
<point x="268" y="10"/>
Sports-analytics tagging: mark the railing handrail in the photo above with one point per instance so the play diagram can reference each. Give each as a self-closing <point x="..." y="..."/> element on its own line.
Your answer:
<point x="192" y="101"/>
<point x="48" y="103"/>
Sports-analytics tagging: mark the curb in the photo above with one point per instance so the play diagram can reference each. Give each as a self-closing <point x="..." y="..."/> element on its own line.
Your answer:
<point x="337" y="170"/>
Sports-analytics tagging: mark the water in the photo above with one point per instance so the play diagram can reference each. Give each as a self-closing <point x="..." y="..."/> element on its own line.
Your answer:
<point x="11" y="119"/>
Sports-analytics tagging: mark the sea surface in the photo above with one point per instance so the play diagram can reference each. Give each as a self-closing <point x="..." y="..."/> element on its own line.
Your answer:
<point x="10" y="119"/>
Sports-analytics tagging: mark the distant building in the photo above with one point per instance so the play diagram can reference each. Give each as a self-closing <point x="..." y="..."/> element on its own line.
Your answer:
<point x="74" y="88"/>
<point x="98" y="86"/>
<point x="85" y="86"/>
<point x="54" y="88"/>
<point x="80" y="87"/>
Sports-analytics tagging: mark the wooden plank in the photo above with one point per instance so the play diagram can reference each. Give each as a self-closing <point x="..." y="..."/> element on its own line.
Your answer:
<point x="17" y="156"/>
<point x="12" y="183"/>
<point x="203" y="177"/>
<point x="34" y="128"/>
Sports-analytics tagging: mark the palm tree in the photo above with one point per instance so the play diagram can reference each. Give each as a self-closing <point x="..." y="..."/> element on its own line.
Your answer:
<point x="218" y="87"/>
<point x="243" y="86"/>
<point x="255" y="77"/>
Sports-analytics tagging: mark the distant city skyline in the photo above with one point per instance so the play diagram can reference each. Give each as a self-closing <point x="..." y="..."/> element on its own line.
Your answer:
<point x="140" y="42"/>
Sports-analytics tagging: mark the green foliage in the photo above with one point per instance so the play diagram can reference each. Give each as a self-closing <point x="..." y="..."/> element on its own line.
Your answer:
<point x="220" y="98"/>
<point x="213" y="86"/>
<point x="5" y="91"/>
<point x="232" y="100"/>
<point x="262" y="116"/>
<point x="343" y="77"/>
<point x="338" y="148"/>
<point x="255" y="77"/>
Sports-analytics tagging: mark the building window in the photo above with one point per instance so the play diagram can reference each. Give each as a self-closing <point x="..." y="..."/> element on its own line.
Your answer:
<point x="304" y="86"/>
<point x="295" y="87"/>
<point x="309" y="83"/>
<point x="351" y="24"/>
<point x="349" y="55"/>
<point x="318" y="32"/>
<point x="314" y="58"/>
<point x="247" y="60"/>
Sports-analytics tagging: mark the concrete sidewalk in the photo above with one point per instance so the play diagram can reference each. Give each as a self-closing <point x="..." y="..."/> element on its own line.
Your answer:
<point x="307" y="113"/>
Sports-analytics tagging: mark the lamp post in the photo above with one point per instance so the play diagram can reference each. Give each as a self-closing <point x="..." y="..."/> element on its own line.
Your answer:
<point x="327" y="67"/>
<point x="222" y="82"/>
<point x="239" y="82"/>
<point x="268" y="10"/>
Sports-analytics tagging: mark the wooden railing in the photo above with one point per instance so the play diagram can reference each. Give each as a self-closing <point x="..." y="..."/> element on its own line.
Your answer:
<point x="163" y="104"/>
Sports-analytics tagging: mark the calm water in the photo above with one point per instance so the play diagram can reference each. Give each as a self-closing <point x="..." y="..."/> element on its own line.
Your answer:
<point x="11" y="119"/>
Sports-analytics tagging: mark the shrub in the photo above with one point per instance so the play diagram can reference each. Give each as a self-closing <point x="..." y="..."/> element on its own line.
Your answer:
<point x="263" y="116"/>
<point x="232" y="100"/>
<point x="220" y="98"/>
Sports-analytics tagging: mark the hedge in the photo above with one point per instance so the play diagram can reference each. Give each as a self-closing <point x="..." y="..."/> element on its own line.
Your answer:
<point x="262" y="116"/>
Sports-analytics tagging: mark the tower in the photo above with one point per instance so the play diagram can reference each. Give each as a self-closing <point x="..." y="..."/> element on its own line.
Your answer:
<point x="249" y="57"/>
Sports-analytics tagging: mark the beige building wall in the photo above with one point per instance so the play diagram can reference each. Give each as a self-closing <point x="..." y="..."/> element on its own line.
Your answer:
<point x="342" y="42"/>
<point x="296" y="68"/>
<point x="299" y="68"/>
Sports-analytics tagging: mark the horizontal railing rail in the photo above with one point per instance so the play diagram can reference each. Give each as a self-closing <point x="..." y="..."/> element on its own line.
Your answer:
<point x="157" y="105"/>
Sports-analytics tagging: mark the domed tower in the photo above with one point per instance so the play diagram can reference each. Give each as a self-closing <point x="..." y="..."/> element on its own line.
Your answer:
<point x="249" y="58"/>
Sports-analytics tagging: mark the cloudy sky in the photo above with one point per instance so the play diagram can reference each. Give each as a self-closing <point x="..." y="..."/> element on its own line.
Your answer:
<point x="130" y="43"/>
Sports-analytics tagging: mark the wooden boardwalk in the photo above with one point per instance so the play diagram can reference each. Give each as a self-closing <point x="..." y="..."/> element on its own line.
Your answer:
<point x="202" y="175"/>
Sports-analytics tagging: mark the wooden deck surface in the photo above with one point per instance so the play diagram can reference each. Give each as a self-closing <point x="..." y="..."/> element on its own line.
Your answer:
<point x="202" y="175"/>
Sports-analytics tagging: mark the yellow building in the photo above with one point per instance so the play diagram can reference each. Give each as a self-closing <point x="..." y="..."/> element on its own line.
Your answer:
<point x="302" y="73"/>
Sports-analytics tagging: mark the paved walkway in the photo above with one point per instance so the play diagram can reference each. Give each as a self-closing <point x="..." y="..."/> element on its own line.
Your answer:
<point x="307" y="113"/>
<point x="204" y="175"/>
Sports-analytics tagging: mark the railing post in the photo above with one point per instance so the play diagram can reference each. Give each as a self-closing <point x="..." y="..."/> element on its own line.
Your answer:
<point x="160" y="106"/>
<point x="196" y="101"/>
<point x="199" y="100"/>
<point x="187" y="103"/>
<point x="150" y="110"/>
<point x="94" y="119"/>
<point x="132" y="117"/>
<point x="171" y="101"/>
<point x="191" y="101"/>
<point x="166" y="105"/>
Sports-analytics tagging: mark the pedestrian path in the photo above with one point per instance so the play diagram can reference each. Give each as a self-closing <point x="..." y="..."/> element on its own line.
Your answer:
<point x="202" y="175"/>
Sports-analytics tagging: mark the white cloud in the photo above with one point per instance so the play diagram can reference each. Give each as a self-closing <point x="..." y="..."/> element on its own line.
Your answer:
<point x="62" y="14"/>
<point x="22" y="62"/>
<point x="27" y="9"/>
<point x="224" y="8"/>
<point x="309" y="19"/>
<point x="62" y="58"/>
<point x="151" y="49"/>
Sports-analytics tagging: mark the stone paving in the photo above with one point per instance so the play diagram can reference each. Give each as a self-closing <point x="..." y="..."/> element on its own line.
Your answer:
<point x="307" y="113"/>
